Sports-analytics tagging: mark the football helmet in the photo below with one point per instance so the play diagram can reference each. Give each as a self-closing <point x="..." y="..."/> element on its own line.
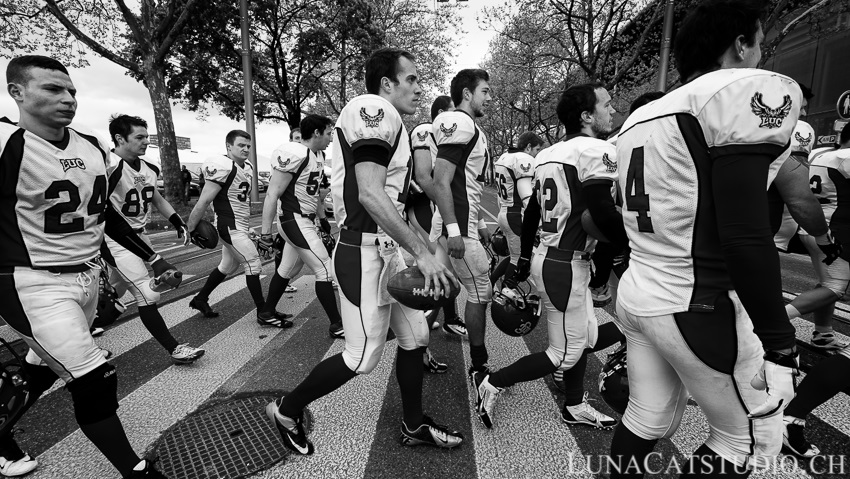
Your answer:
<point x="514" y="311"/>
<point x="277" y="246"/>
<point x="14" y="387"/>
<point x="614" y="380"/>
<point x="109" y="305"/>
<point x="499" y="243"/>
<point x="329" y="241"/>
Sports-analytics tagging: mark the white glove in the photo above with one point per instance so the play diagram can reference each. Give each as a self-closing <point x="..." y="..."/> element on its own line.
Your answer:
<point x="777" y="377"/>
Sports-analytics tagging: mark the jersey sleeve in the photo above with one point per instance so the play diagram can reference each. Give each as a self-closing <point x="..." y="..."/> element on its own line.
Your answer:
<point x="802" y="140"/>
<point x="598" y="163"/>
<point x="523" y="166"/>
<point x="216" y="170"/>
<point x="453" y="133"/>
<point x="370" y="121"/>
<point x="421" y="138"/>
<point x="755" y="114"/>
<point x="288" y="158"/>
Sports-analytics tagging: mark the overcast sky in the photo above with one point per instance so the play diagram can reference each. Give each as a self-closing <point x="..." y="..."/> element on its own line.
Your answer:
<point x="103" y="88"/>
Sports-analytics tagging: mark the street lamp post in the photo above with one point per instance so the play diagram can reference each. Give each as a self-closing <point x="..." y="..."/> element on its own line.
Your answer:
<point x="249" y="97"/>
<point x="665" y="46"/>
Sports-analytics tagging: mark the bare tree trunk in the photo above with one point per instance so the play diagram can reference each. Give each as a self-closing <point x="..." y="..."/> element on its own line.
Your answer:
<point x="158" y="90"/>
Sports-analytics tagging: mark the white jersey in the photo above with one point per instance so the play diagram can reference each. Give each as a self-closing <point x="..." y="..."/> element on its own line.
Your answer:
<point x="509" y="169"/>
<point x="560" y="172"/>
<point x="802" y="141"/>
<point x="368" y="120"/>
<point x="232" y="204"/>
<point x="308" y="172"/>
<point x="131" y="189"/>
<point x="422" y="138"/>
<point x="460" y="141"/>
<point x="665" y="151"/>
<point x="52" y="198"/>
<point x="828" y="176"/>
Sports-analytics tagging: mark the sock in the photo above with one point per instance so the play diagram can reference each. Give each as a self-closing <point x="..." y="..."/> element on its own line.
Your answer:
<point x="109" y="437"/>
<point x="824" y="381"/>
<point x="478" y="354"/>
<point x="527" y="368"/>
<point x="324" y="379"/>
<point x="704" y="462"/>
<point x="449" y="311"/>
<point x="627" y="448"/>
<point x="574" y="381"/>
<point x="409" y="373"/>
<point x="215" y="278"/>
<point x="256" y="289"/>
<point x="325" y="293"/>
<point x="793" y="312"/>
<point x="819" y="329"/>
<point x="276" y="289"/>
<point x="156" y="326"/>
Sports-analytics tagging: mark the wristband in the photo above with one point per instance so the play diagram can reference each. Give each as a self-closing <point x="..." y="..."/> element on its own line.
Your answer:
<point x="176" y="220"/>
<point x="156" y="257"/>
<point x="823" y="239"/>
<point x="481" y="224"/>
<point x="453" y="229"/>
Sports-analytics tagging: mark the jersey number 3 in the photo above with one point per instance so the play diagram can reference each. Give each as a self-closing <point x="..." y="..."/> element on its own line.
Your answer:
<point x="637" y="199"/>
<point x="53" y="216"/>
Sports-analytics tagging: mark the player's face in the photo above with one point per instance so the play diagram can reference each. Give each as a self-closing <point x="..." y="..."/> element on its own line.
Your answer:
<point x="49" y="97"/>
<point x="325" y="138"/>
<point x="296" y="137"/>
<point x="603" y="114"/>
<point x="239" y="149"/>
<point x="136" y="142"/>
<point x="405" y="94"/>
<point x="535" y="150"/>
<point x="481" y="99"/>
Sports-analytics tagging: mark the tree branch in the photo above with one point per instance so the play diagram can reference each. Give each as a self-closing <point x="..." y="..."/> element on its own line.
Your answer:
<point x="129" y="17"/>
<point x="165" y="46"/>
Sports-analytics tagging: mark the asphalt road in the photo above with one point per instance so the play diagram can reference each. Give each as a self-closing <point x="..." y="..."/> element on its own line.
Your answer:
<point x="355" y="429"/>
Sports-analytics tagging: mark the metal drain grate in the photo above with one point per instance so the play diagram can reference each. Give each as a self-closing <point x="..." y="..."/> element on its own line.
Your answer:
<point x="229" y="440"/>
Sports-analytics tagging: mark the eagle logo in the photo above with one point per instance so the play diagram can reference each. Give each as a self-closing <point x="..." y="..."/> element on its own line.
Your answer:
<point x="448" y="131"/>
<point x="372" y="121"/>
<point x="803" y="141"/>
<point x="770" y="117"/>
<point x="422" y="136"/>
<point x="283" y="163"/>
<point x="210" y="171"/>
<point x="525" y="167"/>
<point x="610" y="166"/>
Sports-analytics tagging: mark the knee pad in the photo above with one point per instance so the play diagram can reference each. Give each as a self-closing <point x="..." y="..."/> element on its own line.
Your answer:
<point x="95" y="394"/>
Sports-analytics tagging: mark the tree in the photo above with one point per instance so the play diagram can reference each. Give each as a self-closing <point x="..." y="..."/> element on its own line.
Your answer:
<point x="141" y="42"/>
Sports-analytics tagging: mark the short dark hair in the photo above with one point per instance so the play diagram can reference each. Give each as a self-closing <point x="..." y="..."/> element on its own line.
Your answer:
<point x="468" y="78"/>
<point x="528" y="138"/>
<point x="808" y="94"/>
<point x="642" y="100"/>
<point x="313" y="123"/>
<point x="293" y="131"/>
<point x="844" y="137"/>
<point x="576" y="100"/>
<point x="234" y="134"/>
<point x="18" y="69"/>
<point x="441" y="103"/>
<point x="384" y="63"/>
<point x="710" y="29"/>
<point x="120" y="124"/>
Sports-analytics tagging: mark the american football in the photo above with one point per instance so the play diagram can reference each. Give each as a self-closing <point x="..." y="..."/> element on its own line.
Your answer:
<point x="590" y="227"/>
<point x="408" y="288"/>
<point x="204" y="235"/>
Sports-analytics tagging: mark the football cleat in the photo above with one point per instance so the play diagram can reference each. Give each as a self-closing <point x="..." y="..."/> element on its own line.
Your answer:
<point x="290" y="289"/>
<point x="827" y="341"/>
<point x="95" y="331"/>
<point x="276" y="320"/>
<point x="336" y="330"/>
<point x="432" y="365"/>
<point x="430" y="434"/>
<point x="455" y="326"/>
<point x="601" y="296"/>
<point x="487" y="396"/>
<point x="794" y="439"/>
<point x="291" y="429"/>
<point x="584" y="413"/>
<point x="185" y="354"/>
<point x="203" y="306"/>
<point x="18" y="467"/>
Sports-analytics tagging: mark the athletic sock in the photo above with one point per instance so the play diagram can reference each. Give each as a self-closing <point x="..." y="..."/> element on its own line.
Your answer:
<point x="276" y="289"/>
<point x="324" y="379"/>
<point x="256" y="289"/>
<point x="409" y="373"/>
<point x="478" y="354"/>
<point x="574" y="381"/>
<point x="109" y="437"/>
<point x="527" y="368"/>
<point x="449" y="311"/>
<point x="706" y="463"/>
<point x="325" y="293"/>
<point x="627" y="448"/>
<point x="215" y="278"/>
<point x="824" y="381"/>
<point x="156" y="326"/>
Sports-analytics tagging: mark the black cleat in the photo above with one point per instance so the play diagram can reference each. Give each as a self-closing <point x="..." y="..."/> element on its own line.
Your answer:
<point x="148" y="472"/>
<point x="430" y="434"/>
<point x="291" y="429"/>
<point x="273" y="320"/>
<point x="203" y="306"/>
<point x="432" y="365"/>
<point x="794" y="440"/>
<point x="336" y="330"/>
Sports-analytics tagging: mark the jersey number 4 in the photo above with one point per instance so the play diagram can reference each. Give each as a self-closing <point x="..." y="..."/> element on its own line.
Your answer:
<point x="637" y="199"/>
<point x="53" y="216"/>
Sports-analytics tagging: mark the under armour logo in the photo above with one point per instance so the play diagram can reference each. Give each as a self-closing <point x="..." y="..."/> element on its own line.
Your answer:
<point x="68" y="163"/>
<point x="389" y="244"/>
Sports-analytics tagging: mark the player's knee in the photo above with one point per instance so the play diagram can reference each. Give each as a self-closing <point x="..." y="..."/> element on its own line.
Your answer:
<point x="480" y="291"/>
<point x="652" y="425"/>
<point x="324" y="272"/>
<point x="95" y="394"/>
<point x="147" y="296"/>
<point x="253" y="266"/>
<point x="41" y="378"/>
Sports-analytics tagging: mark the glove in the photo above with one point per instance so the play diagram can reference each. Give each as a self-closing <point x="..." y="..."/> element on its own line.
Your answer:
<point x="523" y="270"/>
<point x="831" y="248"/>
<point x="777" y="377"/>
<point x="165" y="275"/>
<point x="325" y="225"/>
<point x="265" y="246"/>
<point x="180" y="226"/>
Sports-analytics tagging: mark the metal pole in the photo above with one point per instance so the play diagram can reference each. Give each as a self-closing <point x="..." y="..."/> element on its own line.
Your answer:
<point x="249" y="97"/>
<point x="665" y="46"/>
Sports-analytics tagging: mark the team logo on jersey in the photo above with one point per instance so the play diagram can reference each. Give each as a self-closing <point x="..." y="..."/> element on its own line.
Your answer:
<point x="770" y="117"/>
<point x="448" y="131"/>
<point x="422" y="136"/>
<point x="525" y="167"/>
<point x="283" y="163"/>
<point x="804" y="142"/>
<point x="210" y="171"/>
<point x="610" y="166"/>
<point x="138" y="180"/>
<point x="68" y="163"/>
<point x="372" y="121"/>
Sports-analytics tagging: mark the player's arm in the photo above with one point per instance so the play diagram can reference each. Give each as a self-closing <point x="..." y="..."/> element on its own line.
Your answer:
<point x="279" y="182"/>
<point x="524" y="187"/>
<point x="117" y="228"/>
<point x="166" y="210"/>
<point x="530" y="223"/>
<point x="444" y="171"/>
<point x="208" y="194"/>
<point x="422" y="171"/>
<point x="600" y="203"/>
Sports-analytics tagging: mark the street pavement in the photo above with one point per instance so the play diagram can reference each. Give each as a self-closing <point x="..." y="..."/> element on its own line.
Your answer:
<point x="355" y="429"/>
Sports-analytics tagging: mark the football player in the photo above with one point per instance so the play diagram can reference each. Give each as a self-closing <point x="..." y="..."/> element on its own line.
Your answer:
<point x="513" y="171"/>
<point x="830" y="173"/>
<point x="55" y="212"/>
<point x="295" y="135"/>
<point x="297" y="172"/>
<point x="458" y="176"/>
<point x="369" y="183"/>
<point x="228" y="188"/>
<point x="132" y="189"/>
<point x="572" y="176"/>
<point x="421" y="208"/>
<point x="701" y="302"/>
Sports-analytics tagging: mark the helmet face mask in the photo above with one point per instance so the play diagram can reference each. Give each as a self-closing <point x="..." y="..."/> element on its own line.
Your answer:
<point x="515" y="312"/>
<point x="109" y="305"/>
<point x="14" y="387"/>
<point x="614" y="380"/>
<point x="499" y="243"/>
<point x="329" y="241"/>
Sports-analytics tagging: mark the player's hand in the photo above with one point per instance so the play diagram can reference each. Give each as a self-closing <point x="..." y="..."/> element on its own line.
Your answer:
<point x="831" y="248"/>
<point x="484" y="236"/>
<point x="160" y="265"/>
<point x="436" y="274"/>
<point x="183" y="232"/>
<point x="265" y="246"/>
<point x="325" y="225"/>
<point x="777" y="377"/>
<point x="455" y="247"/>
<point x="522" y="270"/>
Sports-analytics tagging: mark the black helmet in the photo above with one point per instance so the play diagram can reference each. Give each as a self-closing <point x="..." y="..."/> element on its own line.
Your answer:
<point x="499" y="243"/>
<point x="515" y="312"/>
<point x="614" y="380"/>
